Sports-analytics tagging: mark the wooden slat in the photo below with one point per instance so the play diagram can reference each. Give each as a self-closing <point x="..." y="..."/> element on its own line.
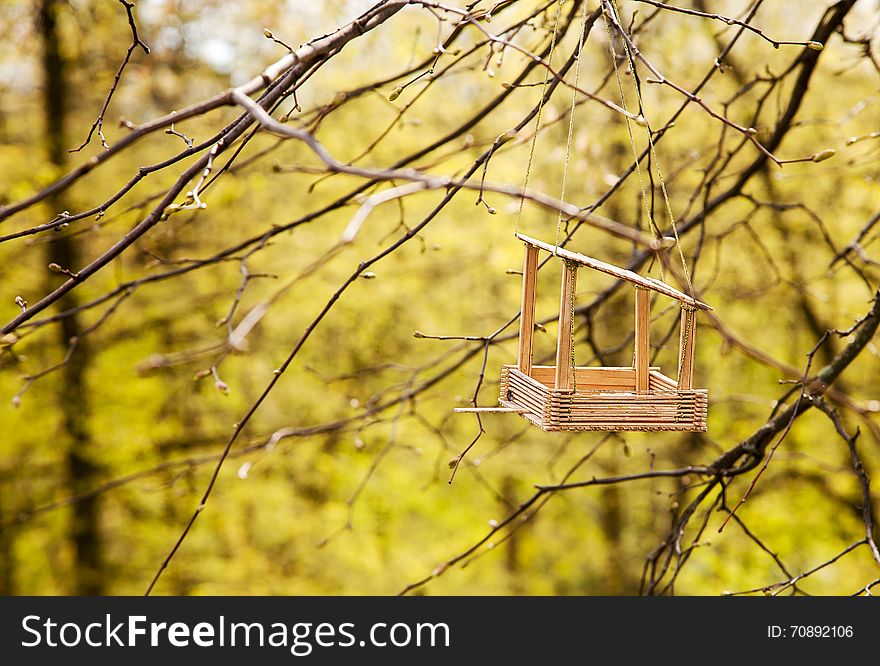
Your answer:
<point x="686" y="352"/>
<point x="528" y="416"/>
<point x="642" y="338"/>
<point x="629" y="427"/>
<point x="564" y="341"/>
<point x="659" y="381"/>
<point x="609" y="371"/>
<point x="612" y="396"/>
<point x="528" y="397"/>
<point x="611" y="410"/>
<point x="516" y="375"/>
<point x="633" y="399"/>
<point x="620" y="273"/>
<point x="603" y="378"/>
<point x="625" y="427"/>
<point x="523" y="391"/>
<point x="672" y="413"/>
<point x="612" y="378"/>
<point x="635" y="417"/>
<point x="527" y="313"/>
<point x="489" y="410"/>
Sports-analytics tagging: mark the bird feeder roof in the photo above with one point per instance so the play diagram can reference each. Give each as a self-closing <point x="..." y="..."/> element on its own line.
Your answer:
<point x="621" y="273"/>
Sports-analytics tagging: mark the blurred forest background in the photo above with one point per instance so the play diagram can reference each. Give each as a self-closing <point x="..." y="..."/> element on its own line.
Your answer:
<point x="145" y="334"/>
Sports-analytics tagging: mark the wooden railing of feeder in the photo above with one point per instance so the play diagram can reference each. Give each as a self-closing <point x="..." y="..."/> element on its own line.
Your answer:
<point x="567" y="397"/>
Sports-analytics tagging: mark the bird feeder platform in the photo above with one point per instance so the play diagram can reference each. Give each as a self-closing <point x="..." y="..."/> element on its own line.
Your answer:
<point x="567" y="397"/>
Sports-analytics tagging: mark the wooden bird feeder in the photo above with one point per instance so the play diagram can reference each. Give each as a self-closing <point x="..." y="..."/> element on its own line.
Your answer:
<point x="567" y="397"/>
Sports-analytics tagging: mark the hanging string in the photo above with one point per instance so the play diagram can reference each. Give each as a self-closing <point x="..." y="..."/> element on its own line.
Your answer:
<point x="522" y="199"/>
<point x="574" y="90"/>
<point x="572" y="267"/>
<point x="652" y="224"/>
<point x="689" y="312"/>
<point x="611" y="8"/>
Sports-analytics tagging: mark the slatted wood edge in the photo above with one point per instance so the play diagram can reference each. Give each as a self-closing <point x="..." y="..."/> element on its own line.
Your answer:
<point x="653" y="427"/>
<point x="659" y="380"/>
<point x="550" y="409"/>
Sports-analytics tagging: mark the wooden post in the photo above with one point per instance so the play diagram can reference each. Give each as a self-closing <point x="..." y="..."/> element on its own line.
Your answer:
<point x="527" y="313"/>
<point x="643" y="338"/>
<point x="686" y="357"/>
<point x="564" y="343"/>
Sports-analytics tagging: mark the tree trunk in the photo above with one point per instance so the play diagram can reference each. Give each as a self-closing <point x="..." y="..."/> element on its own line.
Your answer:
<point x="71" y="390"/>
<point x="617" y="577"/>
<point x="511" y="560"/>
<point x="7" y="562"/>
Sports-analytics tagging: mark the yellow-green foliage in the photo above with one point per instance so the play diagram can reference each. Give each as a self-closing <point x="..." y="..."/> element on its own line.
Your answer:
<point x="365" y="508"/>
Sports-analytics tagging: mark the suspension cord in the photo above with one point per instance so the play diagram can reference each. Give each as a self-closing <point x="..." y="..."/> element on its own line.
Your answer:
<point x="611" y="11"/>
<point x="652" y="224"/>
<point x="522" y="198"/>
<point x="689" y="312"/>
<point x="572" y="267"/>
<point x="568" y="142"/>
